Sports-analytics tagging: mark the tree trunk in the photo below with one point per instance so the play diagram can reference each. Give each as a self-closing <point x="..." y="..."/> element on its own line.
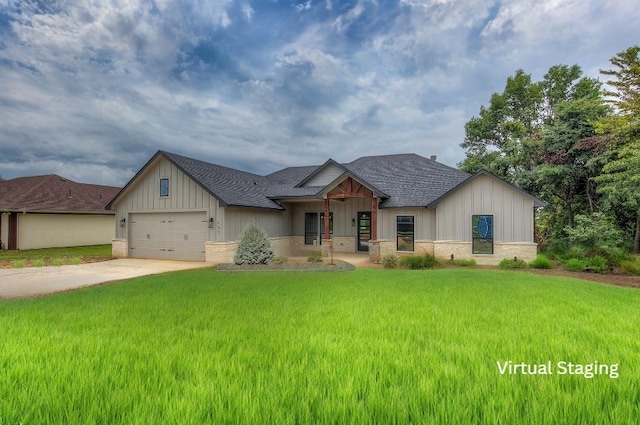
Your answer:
<point x="636" y="239"/>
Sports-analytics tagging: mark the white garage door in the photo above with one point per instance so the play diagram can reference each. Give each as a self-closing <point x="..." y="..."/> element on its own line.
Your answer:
<point x="171" y="236"/>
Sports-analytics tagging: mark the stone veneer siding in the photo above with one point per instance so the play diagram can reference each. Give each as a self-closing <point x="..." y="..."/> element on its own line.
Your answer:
<point x="119" y="248"/>
<point x="223" y="252"/>
<point x="462" y="250"/>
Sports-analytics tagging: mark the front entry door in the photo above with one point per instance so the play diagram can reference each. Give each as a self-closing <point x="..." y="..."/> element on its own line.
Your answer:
<point x="364" y="230"/>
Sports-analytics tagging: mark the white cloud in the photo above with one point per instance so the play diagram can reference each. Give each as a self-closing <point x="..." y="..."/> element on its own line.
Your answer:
<point x="97" y="87"/>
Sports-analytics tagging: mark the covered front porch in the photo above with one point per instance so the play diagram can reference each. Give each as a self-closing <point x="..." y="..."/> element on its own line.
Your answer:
<point x="352" y="224"/>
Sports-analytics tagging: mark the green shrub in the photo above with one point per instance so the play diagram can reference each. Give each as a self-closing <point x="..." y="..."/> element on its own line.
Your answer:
<point x="573" y="252"/>
<point x="631" y="266"/>
<point x="616" y="256"/>
<point x="254" y="246"/>
<point x="75" y="260"/>
<point x="541" y="262"/>
<point x="412" y="262"/>
<point x="575" y="265"/>
<point x="597" y="233"/>
<point x="513" y="263"/>
<point x="417" y="262"/>
<point x="390" y="261"/>
<point x="466" y="263"/>
<point x="315" y="257"/>
<point x="58" y="261"/>
<point x="597" y="264"/>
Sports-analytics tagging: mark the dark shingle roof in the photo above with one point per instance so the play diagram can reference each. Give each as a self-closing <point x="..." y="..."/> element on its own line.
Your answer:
<point x="52" y="193"/>
<point x="409" y="180"/>
<point x="404" y="180"/>
<point x="232" y="187"/>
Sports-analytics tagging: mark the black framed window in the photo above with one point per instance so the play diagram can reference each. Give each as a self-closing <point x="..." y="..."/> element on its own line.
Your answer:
<point x="405" y="232"/>
<point x="314" y="226"/>
<point x="482" y="234"/>
<point x="310" y="228"/>
<point x="164" y="187"/>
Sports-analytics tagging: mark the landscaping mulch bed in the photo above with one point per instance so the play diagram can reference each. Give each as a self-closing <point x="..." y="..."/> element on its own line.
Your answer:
<point x="616" y="278"/>
<point x="287" y="266"/>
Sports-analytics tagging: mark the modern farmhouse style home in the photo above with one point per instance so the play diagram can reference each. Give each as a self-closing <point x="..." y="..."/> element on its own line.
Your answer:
<point x="182" y="208"/>
<point x="52" y="211"/>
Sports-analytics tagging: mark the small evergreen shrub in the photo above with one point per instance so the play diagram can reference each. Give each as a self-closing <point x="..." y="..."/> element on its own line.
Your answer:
<point x="541" y="262"/>
<point x="466" y="263"/>
<point x="315" y="257"/>
<point x="513" y="263"/>
<point x="254" y="246"/>
<point x="390" y="261"/>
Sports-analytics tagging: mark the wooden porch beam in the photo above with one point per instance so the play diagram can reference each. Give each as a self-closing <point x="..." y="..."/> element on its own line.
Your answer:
<point x="374" y="218"/>
<point x="327" y="215"/>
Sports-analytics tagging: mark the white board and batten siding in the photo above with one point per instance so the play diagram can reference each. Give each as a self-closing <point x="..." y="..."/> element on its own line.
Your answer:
<point x="424" y="222"/>
<point x="511" y="210"/>
<point x="275" y="223"/>
<point x="325" y="176"/>
<point x="172" y="227"/>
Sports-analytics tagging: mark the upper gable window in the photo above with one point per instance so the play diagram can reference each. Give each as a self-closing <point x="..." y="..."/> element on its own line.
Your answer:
<point x="164" y="188"/>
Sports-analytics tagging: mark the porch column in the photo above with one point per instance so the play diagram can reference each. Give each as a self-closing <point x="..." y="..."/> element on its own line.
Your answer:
<point x="374" y="219"/>
<point x="374" y="243"/>
<point x="327" y="227"/>
<point x="327" y="242"/>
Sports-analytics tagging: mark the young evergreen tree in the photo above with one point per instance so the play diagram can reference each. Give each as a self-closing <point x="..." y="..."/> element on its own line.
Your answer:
<point x="254" y="247"/>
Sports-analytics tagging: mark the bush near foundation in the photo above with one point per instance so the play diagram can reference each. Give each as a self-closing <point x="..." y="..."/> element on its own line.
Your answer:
<point x="513" y="263"/>
<point x="417" y="262"/>
<point x="254" y="246"/>
<point x="390" y="261"/>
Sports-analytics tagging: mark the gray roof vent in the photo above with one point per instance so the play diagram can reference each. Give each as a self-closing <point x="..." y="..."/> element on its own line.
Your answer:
<point x="434" y="157"/>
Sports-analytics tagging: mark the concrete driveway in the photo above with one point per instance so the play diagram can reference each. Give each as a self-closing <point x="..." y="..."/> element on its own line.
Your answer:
<point x="34" y="281"/>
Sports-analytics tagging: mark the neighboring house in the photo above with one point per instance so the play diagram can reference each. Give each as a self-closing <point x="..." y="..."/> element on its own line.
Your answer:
<point x="51" y="211"/>
<point x="181" y="208"/>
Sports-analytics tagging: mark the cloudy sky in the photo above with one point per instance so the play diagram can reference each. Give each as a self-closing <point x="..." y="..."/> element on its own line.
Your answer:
<point x="91" y="89"/>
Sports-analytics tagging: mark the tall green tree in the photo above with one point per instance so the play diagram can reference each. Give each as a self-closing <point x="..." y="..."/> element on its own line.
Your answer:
<point x="541" y="137"/>
<point x="620" y="180"/>
<point x="502" y="138"/>
<point x="567" y="165"/>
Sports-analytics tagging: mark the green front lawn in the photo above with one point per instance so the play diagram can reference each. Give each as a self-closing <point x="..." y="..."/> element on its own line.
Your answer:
<point x="368" y="346"/>
<point x="54" y="256"/>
